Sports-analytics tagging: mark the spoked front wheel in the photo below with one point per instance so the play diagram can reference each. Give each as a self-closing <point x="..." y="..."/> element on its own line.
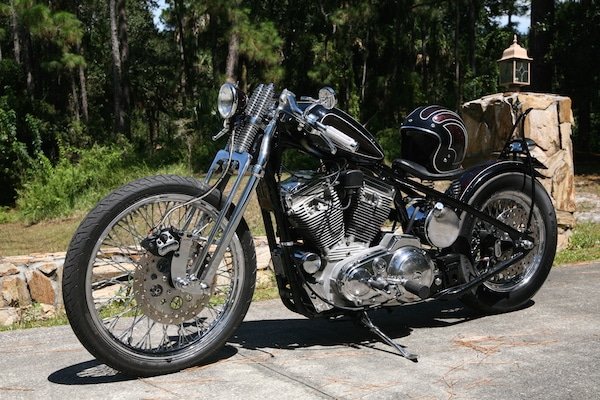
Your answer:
<point x="119" y="297"/>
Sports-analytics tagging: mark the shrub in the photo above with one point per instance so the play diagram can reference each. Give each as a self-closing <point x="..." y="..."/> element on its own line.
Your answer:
<point x="79" y="181"/>
<point x="54" y="191"/>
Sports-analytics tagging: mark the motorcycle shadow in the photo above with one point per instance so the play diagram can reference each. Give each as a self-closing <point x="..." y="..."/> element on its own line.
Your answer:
<point x="298" y="333"/>
<point x="290" y="334"/>
<point x="93" y="372"/>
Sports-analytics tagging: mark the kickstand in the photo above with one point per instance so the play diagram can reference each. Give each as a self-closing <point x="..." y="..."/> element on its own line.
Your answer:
<point x="364" y="319"/>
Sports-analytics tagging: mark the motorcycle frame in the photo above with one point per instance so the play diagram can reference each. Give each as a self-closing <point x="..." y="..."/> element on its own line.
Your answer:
<point x="263" y="175"/>
<point x="288" y="277"/>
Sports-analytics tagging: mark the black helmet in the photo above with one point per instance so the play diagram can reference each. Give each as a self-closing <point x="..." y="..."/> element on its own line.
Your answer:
<point x="435" y="138"/>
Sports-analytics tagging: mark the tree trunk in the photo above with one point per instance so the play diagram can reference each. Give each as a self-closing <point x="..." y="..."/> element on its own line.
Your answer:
<point x="28" y="65"/>
<point x="83" y="89"/>
<point x="118" y="120"/>
<point x="457" y="88"/>
<point x="186" y="73"/>
<point x="232" y="57"/>
<point x="84" y="96"/>
<point x="22" y="48"/>
<point x="15" y="31"/>
<point x="471" y="30"/>
<point x="124" y="52"/>
<point x="74" y="103"/>
<point x="150" y="116"/>
<point x="541" y="33"/>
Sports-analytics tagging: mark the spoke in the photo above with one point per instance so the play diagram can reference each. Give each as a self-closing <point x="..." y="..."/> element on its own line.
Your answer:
<point x="146" y="338"/>
<point x="117" y="280"/>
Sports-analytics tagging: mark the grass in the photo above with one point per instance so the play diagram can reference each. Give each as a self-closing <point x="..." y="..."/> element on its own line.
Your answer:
<point x="32" y="317"/>
<point x="584" y="245"/>
<point x="18" y="237"/>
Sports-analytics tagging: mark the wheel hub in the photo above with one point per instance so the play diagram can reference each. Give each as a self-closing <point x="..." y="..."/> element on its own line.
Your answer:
<point x="157" y="297"/>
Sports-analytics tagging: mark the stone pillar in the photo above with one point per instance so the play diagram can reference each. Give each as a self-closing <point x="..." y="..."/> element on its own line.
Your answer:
<point x="489" y="121"/>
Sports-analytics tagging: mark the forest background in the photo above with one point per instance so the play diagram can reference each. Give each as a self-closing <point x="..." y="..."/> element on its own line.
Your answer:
<point x="94" y="92"/>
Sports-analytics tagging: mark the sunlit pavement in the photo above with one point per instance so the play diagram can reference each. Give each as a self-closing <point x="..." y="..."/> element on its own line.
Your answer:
<point x="551" y="349"/>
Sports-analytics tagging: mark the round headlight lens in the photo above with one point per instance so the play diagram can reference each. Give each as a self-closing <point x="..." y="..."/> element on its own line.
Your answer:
<point x="228" y="100"/>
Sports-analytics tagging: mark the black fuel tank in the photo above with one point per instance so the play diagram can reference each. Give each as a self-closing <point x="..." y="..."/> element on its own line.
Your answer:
<point x="369" y="151"/>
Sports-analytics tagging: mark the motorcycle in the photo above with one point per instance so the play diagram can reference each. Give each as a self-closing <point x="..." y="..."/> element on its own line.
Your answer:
<point x="161" y="272"/>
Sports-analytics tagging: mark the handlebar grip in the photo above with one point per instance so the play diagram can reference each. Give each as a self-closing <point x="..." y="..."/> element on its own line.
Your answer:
<point x="340" y="139"/>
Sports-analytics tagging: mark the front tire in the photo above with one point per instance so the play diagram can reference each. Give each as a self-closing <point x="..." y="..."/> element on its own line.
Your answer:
<point x="508" y="198"/>
<point x="119" y="298"/>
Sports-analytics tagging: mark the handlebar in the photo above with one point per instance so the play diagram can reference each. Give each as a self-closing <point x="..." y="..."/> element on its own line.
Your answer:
<point x="332" y="136"/>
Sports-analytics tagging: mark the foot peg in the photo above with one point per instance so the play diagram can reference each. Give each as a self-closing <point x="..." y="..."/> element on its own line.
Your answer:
<point x="364" y="319"/>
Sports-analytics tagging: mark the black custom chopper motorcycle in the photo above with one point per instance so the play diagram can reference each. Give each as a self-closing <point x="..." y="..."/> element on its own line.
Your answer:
<point x="161" y="272"/>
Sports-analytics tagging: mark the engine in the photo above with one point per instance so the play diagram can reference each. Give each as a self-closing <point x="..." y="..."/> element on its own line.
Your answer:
<point x="314" y="205"/>
<point x="338" y="219"/>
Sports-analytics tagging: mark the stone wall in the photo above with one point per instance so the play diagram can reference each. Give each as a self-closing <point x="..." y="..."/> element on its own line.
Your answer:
<point x="30" y="286"/>
<point x="489" y="121"/>
<point x="25" y="280"/>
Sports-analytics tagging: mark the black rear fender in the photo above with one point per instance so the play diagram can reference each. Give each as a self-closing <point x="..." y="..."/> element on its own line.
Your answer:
<point x="476" y="177"/>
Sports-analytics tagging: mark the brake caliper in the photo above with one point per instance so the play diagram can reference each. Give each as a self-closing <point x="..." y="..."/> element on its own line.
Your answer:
<point x="163" y="242"/>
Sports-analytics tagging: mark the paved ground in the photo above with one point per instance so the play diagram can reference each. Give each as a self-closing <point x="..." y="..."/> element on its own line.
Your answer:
<point x="550" y="350"/>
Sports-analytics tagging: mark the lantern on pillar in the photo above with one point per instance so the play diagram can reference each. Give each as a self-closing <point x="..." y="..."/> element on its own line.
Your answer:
<point x="515" y="67"/>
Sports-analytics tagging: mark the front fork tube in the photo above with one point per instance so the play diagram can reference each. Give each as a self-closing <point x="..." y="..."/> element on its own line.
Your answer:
<point x="201" y="275"/>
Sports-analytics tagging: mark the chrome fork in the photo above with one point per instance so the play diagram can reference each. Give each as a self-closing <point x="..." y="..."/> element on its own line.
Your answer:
<point x="201" y="274"/>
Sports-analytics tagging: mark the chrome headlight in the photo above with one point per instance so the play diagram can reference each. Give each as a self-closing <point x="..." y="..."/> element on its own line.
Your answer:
<point x="230" y="100"/>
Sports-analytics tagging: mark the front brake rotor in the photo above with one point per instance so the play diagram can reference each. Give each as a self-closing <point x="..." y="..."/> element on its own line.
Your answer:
<point x="157" y="297"/>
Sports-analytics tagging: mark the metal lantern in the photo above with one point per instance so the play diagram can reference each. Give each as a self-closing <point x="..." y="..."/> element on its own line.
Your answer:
<point x="515" y="67"/>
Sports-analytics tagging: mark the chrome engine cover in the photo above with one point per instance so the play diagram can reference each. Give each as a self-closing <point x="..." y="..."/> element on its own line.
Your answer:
<point x="412" y="264"/>
<point x="374" y="275"/>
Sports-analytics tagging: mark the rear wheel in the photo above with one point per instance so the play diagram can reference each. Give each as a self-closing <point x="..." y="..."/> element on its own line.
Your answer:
<point x="119" y="297"/>
<point x="508" y="198"/>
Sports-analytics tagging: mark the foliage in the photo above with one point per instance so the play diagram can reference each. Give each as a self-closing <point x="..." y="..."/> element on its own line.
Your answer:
<point x="56" y="191"/>
<point x="14" y="157"/>
<point x="584" y="245"/>
<point x="58" y="69"/>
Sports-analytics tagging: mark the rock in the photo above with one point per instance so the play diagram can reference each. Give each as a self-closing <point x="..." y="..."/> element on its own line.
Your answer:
<point x="566" y="220"/>
<point x="489" y="122"/>
<point x="14" y="291"/>
<point x="48" y="311"/>
<point x="542" y="127"/>
<point x="563" y="188"/>
<point x="9" y="316"/>
<point x="564" y="236"/>
<point x="265" y="278"/>
<point x="565" y="112"/>
<point x="8" y="269"/>
<point x="537" y="101"/>
<point x="48" y="268"/>
<point x="41" y="287"/>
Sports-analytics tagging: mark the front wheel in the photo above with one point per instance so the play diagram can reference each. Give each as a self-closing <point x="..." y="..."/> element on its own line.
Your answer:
<point x="119" y="297"/>
<point x="508" y="198"/>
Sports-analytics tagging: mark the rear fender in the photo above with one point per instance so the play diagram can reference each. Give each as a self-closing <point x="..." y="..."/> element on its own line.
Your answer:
<point x="476" y="177"/>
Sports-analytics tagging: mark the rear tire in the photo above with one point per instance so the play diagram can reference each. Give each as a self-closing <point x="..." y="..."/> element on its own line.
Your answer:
<point x="508" y="197"/>
<point x="119" y="298"/>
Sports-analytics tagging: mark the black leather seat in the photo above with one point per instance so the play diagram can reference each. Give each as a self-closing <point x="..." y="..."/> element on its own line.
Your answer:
<point x="421" y="172"/>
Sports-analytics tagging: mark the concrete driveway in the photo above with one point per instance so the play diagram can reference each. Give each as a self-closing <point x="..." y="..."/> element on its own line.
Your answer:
<point x="550" y="350"/>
